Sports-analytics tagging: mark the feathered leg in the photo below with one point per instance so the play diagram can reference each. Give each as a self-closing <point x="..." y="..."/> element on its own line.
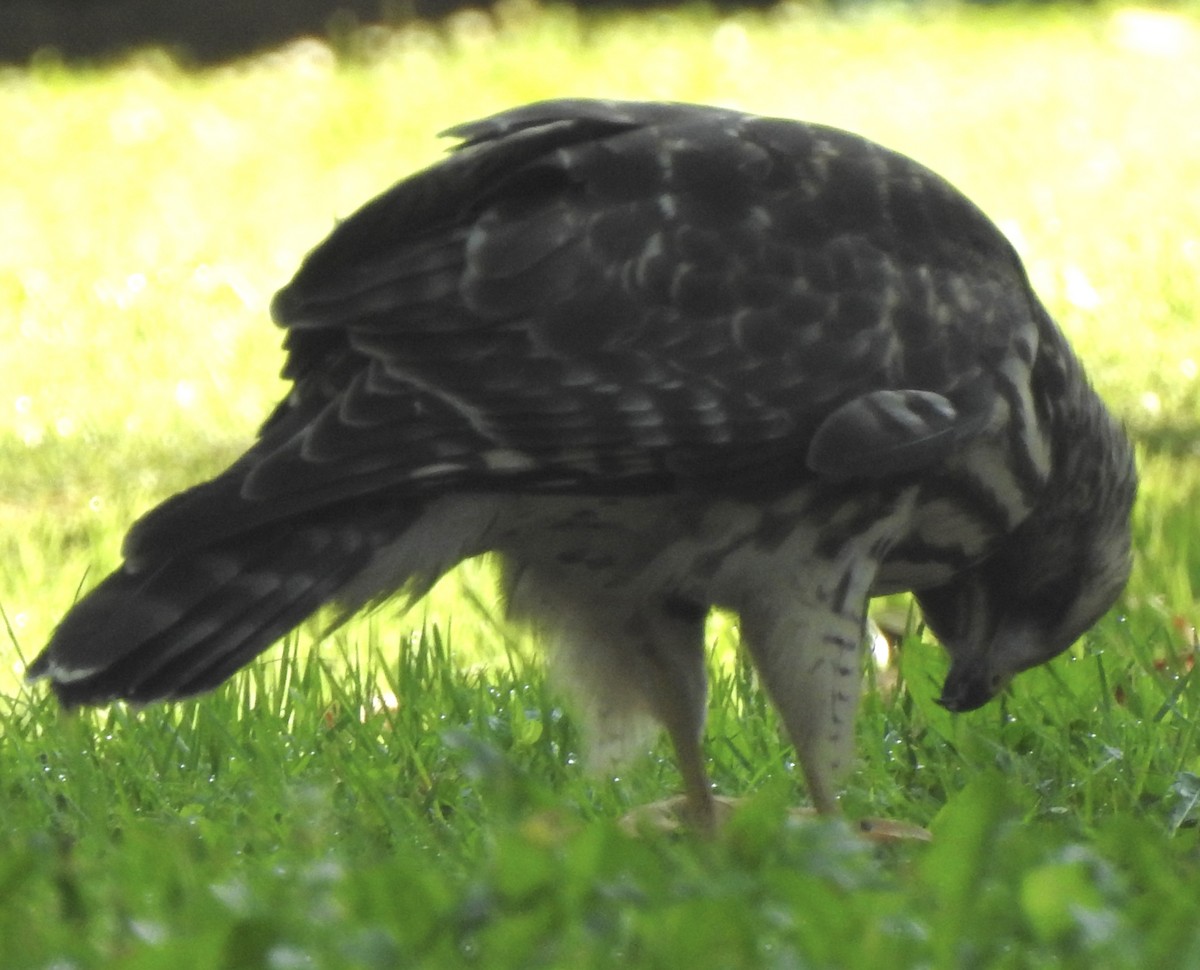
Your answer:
<point x="809" y="663"/>
<point x="630" y="662"/>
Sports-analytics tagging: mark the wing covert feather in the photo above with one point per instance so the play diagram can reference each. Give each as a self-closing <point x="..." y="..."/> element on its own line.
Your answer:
<point x="653" y="291"/>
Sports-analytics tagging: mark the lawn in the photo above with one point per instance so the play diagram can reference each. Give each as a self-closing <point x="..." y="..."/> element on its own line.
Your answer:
<point x="411" y="793"/>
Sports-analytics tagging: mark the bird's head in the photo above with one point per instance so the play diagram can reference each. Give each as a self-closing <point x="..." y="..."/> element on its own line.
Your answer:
<point x="1048" y="581"/>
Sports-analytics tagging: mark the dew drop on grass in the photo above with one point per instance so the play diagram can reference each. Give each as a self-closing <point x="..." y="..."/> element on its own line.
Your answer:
<point x="234" y="894"/>
<point x="323" y="872"/>
<point x="284" y="956"/>
<point x="148" y="931"/>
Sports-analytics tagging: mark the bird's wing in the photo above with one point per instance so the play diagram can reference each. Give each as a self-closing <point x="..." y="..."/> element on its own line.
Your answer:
<point x="592" y="295"/>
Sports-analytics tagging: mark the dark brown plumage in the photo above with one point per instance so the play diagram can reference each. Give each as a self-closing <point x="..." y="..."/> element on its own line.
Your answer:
<point x="659" y="357"/>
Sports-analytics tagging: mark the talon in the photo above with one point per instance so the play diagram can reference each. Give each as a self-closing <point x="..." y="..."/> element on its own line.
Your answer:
<point x="889" y="830"/>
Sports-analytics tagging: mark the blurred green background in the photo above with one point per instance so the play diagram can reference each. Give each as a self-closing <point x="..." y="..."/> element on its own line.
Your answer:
<point x="410" y="794"/>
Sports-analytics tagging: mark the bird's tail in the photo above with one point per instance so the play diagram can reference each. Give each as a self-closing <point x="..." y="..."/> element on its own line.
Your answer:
<point x="171" y="625"/>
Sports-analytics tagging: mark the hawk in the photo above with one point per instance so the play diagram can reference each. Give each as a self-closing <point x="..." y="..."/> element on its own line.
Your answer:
<point x="659" y="358"/>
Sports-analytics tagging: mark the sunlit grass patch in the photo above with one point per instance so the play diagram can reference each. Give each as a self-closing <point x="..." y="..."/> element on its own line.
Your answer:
<point x="409" y="790"/>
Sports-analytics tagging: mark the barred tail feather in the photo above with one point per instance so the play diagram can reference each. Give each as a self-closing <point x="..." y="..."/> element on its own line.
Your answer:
<point x="180" y="625"/>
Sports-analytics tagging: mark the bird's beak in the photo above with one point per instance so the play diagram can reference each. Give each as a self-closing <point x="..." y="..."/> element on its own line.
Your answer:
<point x="979" y="675"/>
<point x="969" y="686"/>
<point x="963" y="697"/>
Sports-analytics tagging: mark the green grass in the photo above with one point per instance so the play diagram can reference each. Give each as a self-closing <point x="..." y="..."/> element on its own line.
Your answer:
<point x="411" y="794"/>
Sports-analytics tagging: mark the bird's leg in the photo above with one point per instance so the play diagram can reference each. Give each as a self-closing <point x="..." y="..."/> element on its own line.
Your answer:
<point x="699" y="804"/>
<point x="629" y="660"/>
<point x="697" y="808"/>
<point x="701" y="807"/>
<point x="808" y="659"/>
<point x="673" y="652"/>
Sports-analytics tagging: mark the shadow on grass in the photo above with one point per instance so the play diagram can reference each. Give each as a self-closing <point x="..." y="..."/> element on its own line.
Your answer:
<point x="203" y="33"/>
<point x="222" y="30"/>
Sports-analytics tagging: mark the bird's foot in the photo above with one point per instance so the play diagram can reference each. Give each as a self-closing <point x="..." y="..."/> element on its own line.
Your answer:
<point x="891" y="830"/>
<point x="676" y="814"/>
